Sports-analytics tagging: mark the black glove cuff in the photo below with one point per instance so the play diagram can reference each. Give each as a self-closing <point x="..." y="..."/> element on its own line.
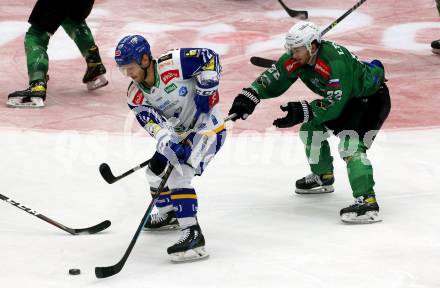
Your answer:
<point x="307" y="111"/>
<point x="251" y="94"/>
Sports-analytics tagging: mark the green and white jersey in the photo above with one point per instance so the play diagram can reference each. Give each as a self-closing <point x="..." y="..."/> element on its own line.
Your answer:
<point x="337" y="76"/>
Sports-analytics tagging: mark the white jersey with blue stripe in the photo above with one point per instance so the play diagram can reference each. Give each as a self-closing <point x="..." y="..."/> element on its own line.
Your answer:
<point x="177" y="91"/>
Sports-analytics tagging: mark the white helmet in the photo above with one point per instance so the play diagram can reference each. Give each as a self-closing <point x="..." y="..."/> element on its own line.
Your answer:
<point x="301" y="34"/>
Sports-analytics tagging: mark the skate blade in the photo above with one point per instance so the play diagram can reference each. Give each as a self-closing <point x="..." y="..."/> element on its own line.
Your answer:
<point x="163" y="228"/>
<point x="17" y="102"/>
<point x="96" y="83"/>
<point x="195" y="254"/>
<point x="317" y="190"/>
<point x="367" y="218"/>
<point x="436" y="51"/>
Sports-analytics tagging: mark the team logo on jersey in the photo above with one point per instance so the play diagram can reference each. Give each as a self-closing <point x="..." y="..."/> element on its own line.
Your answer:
<point x="291" y="65"/>
<point x="170" y="88"/>
<point x="192" y="53"/>
<point x="183" y="91"/>
<point x="167" y="76"/>
<point x="322" y="68"/>
<point x="264" y="81"/>
<point x="165" y="57"/>
<point x="138" y="98"/>
<point x="334" y="83"/>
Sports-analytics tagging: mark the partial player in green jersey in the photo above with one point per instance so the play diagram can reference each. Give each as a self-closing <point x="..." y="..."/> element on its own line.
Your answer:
<point x="355" y="102"/>
<point x="46" y="17"/>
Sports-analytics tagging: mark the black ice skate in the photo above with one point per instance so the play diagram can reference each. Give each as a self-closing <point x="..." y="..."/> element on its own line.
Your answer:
<point x="435" y="45"/>
<point x="161" y="222"/>
<point x="94" y="76"/>
<point x="32" y="97"/>
<point x="364" y="211"/>
<point x="190" y="246"/>
<point x="315" y="184"/>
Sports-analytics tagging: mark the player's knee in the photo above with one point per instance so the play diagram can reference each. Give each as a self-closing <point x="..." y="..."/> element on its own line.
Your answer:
<point x="181" y="177"/>
<point x="35" y="37"/>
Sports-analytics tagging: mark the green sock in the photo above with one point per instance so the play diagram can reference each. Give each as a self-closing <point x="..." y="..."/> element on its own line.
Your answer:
<point x="80" y="33"/>
<point x="35" y="44"/>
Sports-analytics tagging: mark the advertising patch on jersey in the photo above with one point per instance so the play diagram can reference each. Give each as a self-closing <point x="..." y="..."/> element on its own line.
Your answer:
<point x="165" y="57"/>
<point x="138" y="98"/>
<point x="169" y="75"/>
<point x="192" y="53"/>
<point x="322" y="68"/>
<point x="170" y="88"/>
<point x="183" y="91"/>
<point x="291" y="65"/>
<point x="334" y="83"/>
<point x="210" y="66"/>
<point x="152" y="128"/>
<point x="213" y="100"/>
<point x="166" y="63"/>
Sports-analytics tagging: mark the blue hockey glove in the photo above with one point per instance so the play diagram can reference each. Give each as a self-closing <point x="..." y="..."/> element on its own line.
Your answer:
<point x="183" y="151"/>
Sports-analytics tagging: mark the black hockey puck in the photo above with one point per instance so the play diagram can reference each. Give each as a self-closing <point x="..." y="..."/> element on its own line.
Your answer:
<point x="74" y="271"/>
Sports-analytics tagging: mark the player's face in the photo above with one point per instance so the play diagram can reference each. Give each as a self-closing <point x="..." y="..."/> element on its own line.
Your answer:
<point x="134" y="71"/>
<point x="301" y="54"/>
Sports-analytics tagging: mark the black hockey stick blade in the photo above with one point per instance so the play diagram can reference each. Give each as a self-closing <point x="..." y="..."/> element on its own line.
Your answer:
<point x="262" y="62"/>
<point x="94" y="229"/>
<point x="104" y="272"/>
<point x="107" y="174"/>
<point x="303" y="15"/>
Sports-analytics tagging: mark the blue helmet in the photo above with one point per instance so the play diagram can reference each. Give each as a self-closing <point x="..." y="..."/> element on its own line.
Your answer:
<point x="131" y="47"/>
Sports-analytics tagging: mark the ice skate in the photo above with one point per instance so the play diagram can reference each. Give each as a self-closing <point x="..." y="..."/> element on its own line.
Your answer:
<point x="162" y="222"/>
<point x="94" y="77"/>
<point x="32" y="97"/>
<point x="189" y="247"/>
<point x="364" y="211"/>
<point x="315" y="184"/>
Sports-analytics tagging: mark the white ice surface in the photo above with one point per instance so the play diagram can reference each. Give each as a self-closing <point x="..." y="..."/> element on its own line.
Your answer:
<point x="258" y="232"/>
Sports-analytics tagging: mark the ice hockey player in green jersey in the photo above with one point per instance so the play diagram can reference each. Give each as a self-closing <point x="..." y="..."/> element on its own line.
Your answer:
<point x="355" y="102"/>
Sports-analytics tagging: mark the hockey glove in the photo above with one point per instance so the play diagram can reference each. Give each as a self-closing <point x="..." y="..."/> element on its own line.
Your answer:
<point x="244" y="104"/>
<point x="172" y="149"/>
<point x="183" y="151"/>
<point x="297" y="112"/>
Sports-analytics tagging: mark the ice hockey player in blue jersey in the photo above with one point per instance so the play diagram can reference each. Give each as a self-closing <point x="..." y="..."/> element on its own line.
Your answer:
<point x="174" y="98"/>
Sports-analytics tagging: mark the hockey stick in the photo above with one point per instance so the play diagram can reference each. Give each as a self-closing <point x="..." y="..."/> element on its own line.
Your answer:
<point x="90" y="230"/>
<point x="267" y="63"/>
<point x="104" y="272"/>
<point x="303" y="15"/>
<point x="108" y="176"/>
